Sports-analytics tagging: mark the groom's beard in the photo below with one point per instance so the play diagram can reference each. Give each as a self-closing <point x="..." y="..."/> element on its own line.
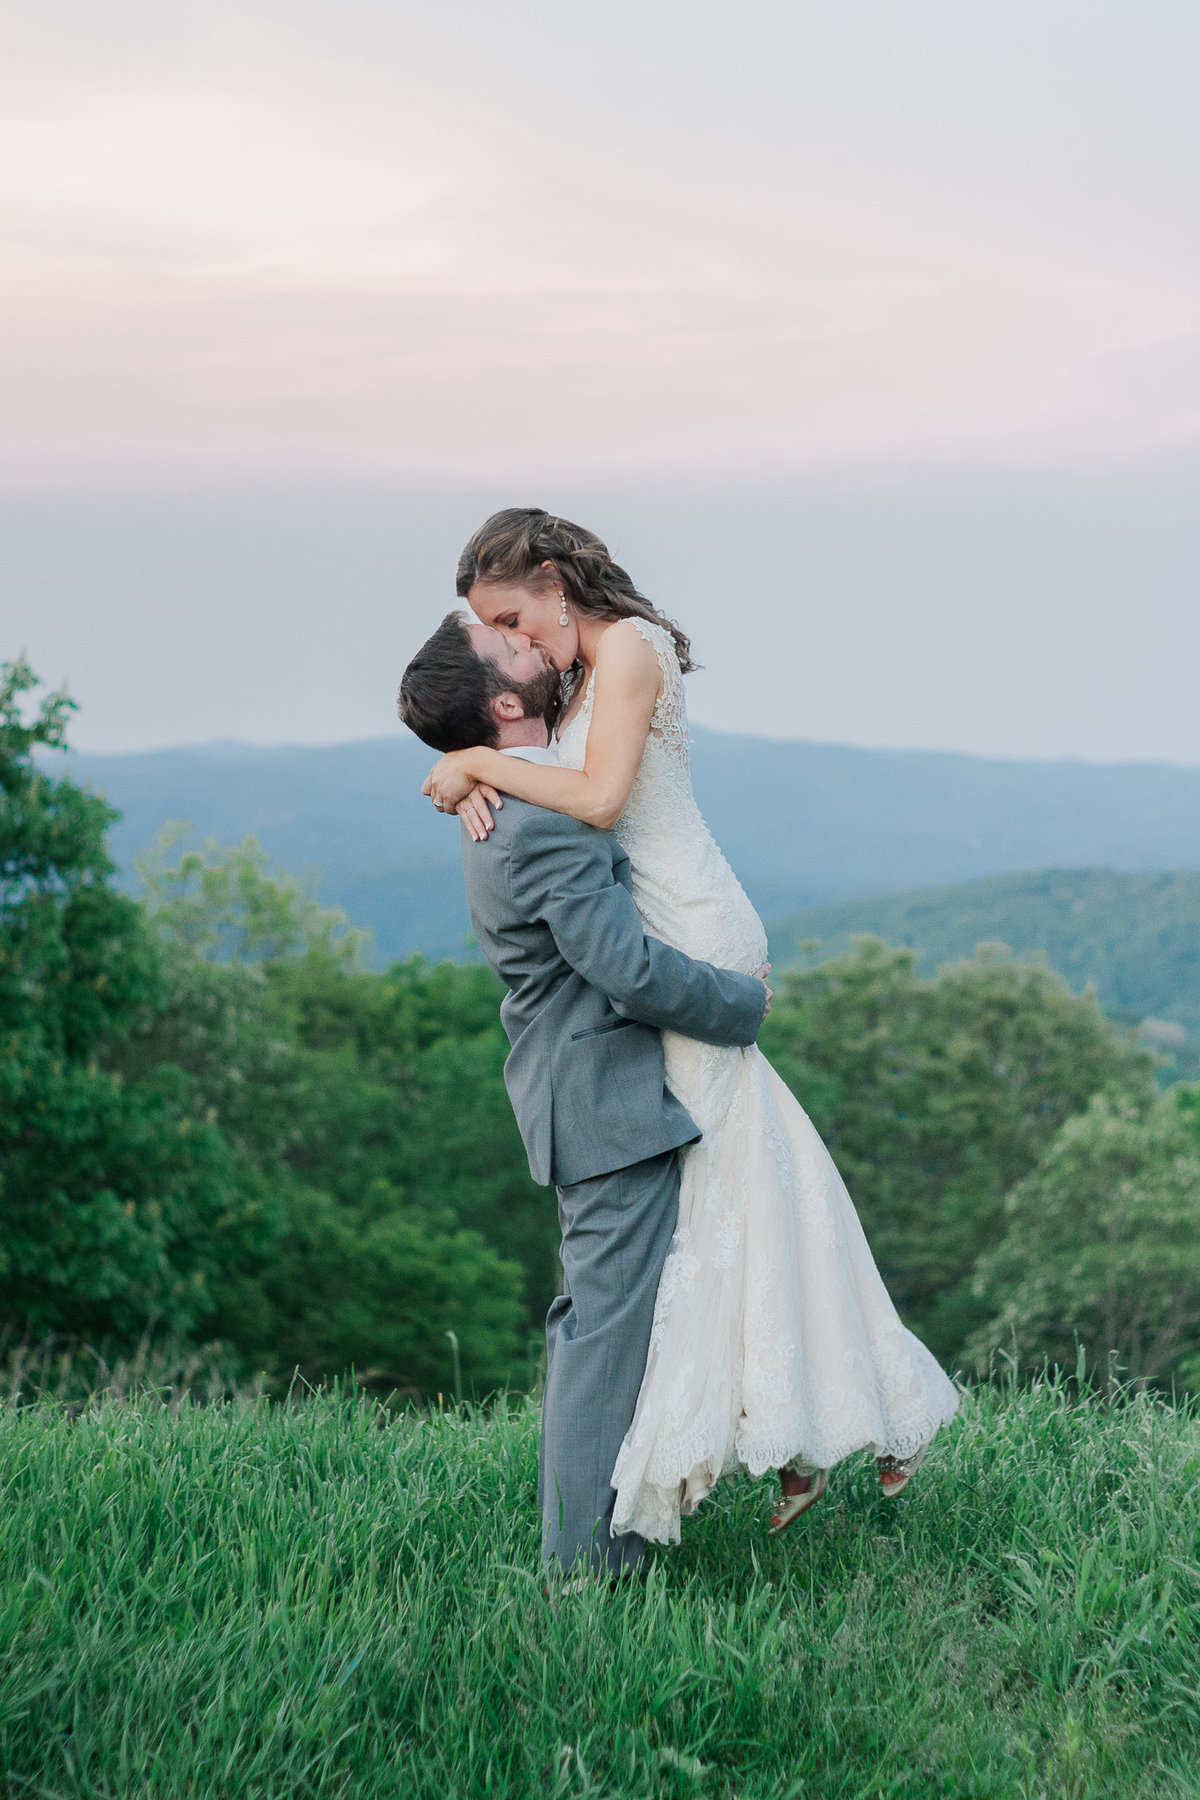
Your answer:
<point x="540" y="698"/>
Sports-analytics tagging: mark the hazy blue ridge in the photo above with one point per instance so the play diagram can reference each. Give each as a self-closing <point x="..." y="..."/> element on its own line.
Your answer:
<point x="804" y="825"/>
<point x="1137" y="937"/>
<point x="351" y="816"/>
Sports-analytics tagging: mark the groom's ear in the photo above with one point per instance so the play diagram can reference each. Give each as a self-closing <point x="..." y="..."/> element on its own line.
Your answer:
<point x="507" y="708"/>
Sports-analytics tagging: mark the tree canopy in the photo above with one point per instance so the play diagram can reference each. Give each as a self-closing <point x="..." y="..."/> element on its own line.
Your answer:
<point x="202" y="1107"/>
<point x="935" y="1096"/>
<point x="1101" y="1249"/>
<point x="215" y="1122"/>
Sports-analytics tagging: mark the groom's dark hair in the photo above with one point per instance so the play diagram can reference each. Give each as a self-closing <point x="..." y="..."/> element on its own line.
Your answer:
<point x="447" y="690"/>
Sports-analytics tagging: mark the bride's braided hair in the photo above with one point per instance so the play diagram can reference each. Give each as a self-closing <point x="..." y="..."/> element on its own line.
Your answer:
<point x="512" y="545"/>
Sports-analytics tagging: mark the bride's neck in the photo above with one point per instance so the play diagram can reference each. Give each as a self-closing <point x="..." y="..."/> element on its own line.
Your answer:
<point x="590" y="633"/>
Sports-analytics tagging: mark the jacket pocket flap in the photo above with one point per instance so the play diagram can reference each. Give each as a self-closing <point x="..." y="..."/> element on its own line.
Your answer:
<point x="599" y="1030"/>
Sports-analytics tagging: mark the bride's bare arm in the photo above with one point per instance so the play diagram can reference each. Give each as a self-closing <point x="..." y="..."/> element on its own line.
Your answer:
<point x="626" y="683"/>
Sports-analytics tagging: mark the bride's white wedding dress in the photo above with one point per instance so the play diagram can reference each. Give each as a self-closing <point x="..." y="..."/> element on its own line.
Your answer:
<point x="774" y="1338"/>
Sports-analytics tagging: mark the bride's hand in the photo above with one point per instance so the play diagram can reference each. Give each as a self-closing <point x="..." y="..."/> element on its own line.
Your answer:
<point x="473" y="811"/>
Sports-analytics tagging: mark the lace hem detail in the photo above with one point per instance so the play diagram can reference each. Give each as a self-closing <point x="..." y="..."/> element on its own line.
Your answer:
<point x="665" y="1500"/>
<point x="774" y="1338"/>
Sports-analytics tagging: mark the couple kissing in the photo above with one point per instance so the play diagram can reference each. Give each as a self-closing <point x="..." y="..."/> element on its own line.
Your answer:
<point x="721" y="1308"/>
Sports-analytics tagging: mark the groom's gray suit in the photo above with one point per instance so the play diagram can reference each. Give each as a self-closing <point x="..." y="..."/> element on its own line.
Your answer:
<point x="552" y="912"/>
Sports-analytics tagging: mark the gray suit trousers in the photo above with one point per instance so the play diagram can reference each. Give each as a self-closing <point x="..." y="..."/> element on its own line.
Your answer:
<point x="616" y="1231"/>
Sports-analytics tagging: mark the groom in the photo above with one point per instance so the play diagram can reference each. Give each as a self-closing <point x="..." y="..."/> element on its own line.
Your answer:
<point x="589" y="992"/>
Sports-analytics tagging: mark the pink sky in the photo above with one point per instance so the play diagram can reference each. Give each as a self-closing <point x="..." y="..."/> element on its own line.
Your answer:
<point x="350" y="238"/>
<point x="868" y="334"/>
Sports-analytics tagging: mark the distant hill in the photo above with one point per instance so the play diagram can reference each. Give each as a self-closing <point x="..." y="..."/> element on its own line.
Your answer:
<point x="804" y="825"/>
<point x="351" y="816"/>
<point x="1137" y="937"/>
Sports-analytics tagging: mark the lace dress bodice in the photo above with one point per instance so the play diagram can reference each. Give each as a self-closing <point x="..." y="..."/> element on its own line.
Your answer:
<point x="685" y="890"/>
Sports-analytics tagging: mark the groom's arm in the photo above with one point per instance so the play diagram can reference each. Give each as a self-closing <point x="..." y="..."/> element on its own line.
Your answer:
<point x="562" y="873"/>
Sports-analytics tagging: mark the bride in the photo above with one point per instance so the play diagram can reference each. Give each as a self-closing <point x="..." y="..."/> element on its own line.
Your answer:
<point x="775" y="1344"/>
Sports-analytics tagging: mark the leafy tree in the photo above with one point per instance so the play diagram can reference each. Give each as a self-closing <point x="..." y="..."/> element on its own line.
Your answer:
<point x="225" y="906"/>
<point x="117" y="1204"/>
<point x="935" y="1096"/>
<point x="370" y="1106"/>
<point x="379" y="1285"/>
<point x="1186" y="1097"/>
<point x="205" y="1107"/>
<point x="424" y="1048"/>
<point x="1102" y="1248"/>
<point x="213" y="1115"/>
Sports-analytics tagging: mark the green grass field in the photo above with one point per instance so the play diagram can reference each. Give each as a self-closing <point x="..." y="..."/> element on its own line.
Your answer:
<point x="255" y="1600"/>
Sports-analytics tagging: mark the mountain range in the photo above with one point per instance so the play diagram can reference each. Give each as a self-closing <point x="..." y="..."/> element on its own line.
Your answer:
<point x="807" y="827"/>
<point x="1135" y="938"/>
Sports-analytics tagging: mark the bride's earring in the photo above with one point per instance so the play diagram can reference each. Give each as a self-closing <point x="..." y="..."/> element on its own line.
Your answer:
<point x="563" y="617"/>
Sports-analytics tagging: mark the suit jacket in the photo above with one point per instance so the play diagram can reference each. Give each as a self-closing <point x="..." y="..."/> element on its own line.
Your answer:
<point x="552" y="912"/>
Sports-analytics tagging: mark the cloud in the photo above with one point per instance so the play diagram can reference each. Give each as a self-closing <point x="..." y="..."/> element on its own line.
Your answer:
<point x="271" y="271"/>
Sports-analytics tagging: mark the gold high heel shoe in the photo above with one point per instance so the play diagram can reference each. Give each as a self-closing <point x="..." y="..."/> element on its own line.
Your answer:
<point x="790" y="1506"/>
<point x="895" y="1472"/>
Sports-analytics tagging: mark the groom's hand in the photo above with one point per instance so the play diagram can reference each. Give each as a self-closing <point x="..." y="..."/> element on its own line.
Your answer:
<point x="761" y="975"/>
<point x="449" y="781"/>
<point x="453" y="790"/>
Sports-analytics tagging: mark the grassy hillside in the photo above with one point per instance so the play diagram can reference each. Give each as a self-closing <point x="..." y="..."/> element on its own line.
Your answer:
<point x="1137" y="937"/>
<point x="803" y="824"/>
<point x="293" y="1604"/>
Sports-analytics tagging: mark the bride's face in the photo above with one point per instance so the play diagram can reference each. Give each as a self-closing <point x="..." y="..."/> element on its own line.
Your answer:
<point x="528" y="612"/>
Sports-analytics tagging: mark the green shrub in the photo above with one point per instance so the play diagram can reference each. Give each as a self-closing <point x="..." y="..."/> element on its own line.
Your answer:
<point x="1101" y="1249"/>
<point x="936" y="1096"/>
<point x="117" y="1203"/>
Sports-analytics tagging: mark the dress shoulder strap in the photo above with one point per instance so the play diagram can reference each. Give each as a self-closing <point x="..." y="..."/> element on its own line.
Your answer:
<point x="669" y="722"/>
<point x="663" y="645"/>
